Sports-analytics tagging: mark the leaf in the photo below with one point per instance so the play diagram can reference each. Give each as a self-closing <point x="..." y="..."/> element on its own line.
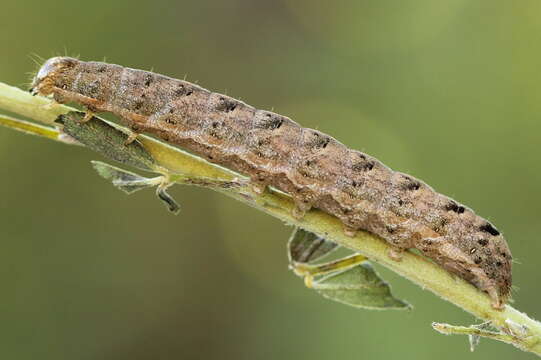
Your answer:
<point x="305" y="246"/>
<point x="359" y="286"/>
<point x="475" y="332"/>
<point x="107" y="140"/>
<point x="124" y="180"/>
<point x="130" y="182"/>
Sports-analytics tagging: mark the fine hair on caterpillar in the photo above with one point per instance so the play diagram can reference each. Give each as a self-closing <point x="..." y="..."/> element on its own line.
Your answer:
<point x="314" y="168"/>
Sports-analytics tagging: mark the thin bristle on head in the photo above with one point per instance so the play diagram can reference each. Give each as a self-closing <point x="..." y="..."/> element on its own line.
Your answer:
<point x="25" y="85"/>
<point x="38" y="62"/>
<point x="29" y="77"/>
<point x="65" y="54"/>
<point x="30" y="74"/>
<point x="36" y="59"/>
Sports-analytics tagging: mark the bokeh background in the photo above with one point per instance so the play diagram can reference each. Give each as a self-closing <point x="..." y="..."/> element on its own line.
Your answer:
<point x="445" y="90"/>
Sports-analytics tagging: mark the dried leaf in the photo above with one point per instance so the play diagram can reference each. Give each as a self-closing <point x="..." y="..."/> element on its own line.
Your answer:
<point x="475" y="332"/>
<point x="130" y="182"/>
<point x="124" y="180"/>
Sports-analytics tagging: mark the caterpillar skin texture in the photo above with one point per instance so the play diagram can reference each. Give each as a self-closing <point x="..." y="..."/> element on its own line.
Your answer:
<point x="315" y="169"/>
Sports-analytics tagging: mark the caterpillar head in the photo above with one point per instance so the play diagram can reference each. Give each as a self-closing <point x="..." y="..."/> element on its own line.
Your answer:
<point x="44" y="81"/>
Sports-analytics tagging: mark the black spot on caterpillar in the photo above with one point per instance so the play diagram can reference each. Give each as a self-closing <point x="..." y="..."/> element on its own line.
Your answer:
<point x="314" y="168"/>
<point x="453" y="206"/>
<point x="490" y="229"/>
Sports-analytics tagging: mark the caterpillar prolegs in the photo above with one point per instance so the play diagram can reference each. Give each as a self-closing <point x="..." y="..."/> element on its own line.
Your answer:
<point x="314" y="168"/>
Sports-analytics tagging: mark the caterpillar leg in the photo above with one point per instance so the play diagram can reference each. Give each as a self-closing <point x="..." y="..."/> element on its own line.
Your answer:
<point x="300" y="209"/>
<point x="308" y="272"/>
<point x="349" y="231"/>
<point x="88" y="115"/>
<point x="396" y="253"/>
<point x="258" y="187"/>
<point x="495" y="300"/>
<point x="258" y="184"/>
<point x="488" y="285"/>
<point x="132" y="134"/>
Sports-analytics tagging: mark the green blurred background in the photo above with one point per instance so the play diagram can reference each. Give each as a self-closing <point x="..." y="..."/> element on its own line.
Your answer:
<point x="445" y="90"/>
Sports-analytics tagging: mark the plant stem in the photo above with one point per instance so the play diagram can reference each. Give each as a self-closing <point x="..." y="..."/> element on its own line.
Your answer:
<point x="30" y="128"/>
<point x="413" y="267"/>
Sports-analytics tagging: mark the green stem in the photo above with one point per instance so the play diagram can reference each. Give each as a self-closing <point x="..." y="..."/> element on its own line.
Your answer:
<point x="30" y="128"/>
<point x="413" y="267"/>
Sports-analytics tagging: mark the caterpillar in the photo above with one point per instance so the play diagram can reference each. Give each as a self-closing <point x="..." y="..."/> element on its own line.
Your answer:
<point x="314" y="168"/>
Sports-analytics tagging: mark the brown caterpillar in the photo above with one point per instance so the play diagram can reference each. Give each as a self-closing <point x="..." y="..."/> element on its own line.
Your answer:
<point x="315" y="169"/>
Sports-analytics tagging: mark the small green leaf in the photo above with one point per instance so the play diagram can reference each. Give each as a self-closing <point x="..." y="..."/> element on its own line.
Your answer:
<point x="359" y="286"/>
<point x="107" y="140"/>
<point x="304" y="246"/>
